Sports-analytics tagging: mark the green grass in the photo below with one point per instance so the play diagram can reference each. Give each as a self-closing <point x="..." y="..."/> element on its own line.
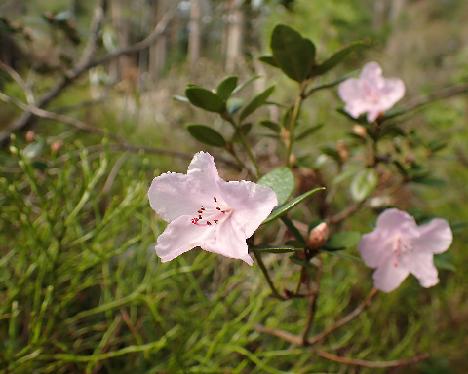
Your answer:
<point x="82" y="290"/>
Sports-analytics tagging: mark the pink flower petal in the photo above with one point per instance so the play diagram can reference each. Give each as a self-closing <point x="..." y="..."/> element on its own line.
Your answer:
<point x="203" y="168"/>
<point x="371" y="72"/>
<point x="434" y="236"/>
<point x="388" y="277"/>
<point x="168" y="196"/>
<point x="253" y="203"/>
<point x="180" y="236"/>
<point x="421" y="265"/>
<point x="173" y="194"/>
<point x="375" y="248"/>
<point x="229" y="242"/>
<point x="394" y="219"/>
<point x="392" y="91"/>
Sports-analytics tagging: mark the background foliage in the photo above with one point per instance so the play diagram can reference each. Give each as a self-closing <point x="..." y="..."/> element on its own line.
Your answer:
<point x="81" y="289"/>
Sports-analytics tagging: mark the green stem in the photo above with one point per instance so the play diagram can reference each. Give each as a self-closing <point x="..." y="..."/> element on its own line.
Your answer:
<point x="292" y="123"/>
<point x="264" y="270"/>
<point x="244" y="142"/>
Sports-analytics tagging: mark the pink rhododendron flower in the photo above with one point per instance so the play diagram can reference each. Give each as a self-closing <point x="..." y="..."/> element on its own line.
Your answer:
<point x="204" y="210"/>
<point x="371" y="93"/>
<point x="398" y="247"/>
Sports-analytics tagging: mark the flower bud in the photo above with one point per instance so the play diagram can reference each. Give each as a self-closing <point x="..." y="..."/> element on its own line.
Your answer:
<point x="30" y="136"/>
<point x="55" y="146"/>
<point x="318" y="236"/>
<point x="360" y="131"/>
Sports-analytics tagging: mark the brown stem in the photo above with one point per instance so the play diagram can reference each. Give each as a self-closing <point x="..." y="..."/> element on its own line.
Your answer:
<point x="284" y="335"/>
<point x="349" y="317"/>
<point x="121" y="144"/>
<point x="441" y="94"/>
<point x="346" y="212"/>
<point x="372" y="364"/>
<point x="313" y="298"/>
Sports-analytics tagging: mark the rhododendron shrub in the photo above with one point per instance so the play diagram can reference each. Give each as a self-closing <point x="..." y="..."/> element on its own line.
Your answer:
<point x="377" y="157"/>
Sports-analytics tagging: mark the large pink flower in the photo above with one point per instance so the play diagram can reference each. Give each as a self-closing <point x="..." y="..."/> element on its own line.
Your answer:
<point x="398" y="247"/>
<point x="204" y="210"/>
<point x="371" y="93"/>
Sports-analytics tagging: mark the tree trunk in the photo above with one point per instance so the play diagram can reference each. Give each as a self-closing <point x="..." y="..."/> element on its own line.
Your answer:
<point x="194" y="38"/>
<point x="119" y="67"/>
<point x="158" y="52"/>
<point x="234" y="34"/>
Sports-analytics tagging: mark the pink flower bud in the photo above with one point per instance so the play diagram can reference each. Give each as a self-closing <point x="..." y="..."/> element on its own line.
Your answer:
<point x="318" y="236"/>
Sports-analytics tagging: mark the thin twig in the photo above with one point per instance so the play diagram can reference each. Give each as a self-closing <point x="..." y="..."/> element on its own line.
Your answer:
<point x="121" y="144"/>
<point x="349" y="317"/>
<point x="264" y="270"/>
<point x="86" y="62"/>
<point x="372" y="364"/>
<point x="313" y="298"/>
<point x="284" y="335"/>
<point x="441" y="94"/>
<point x="20" y="81"/>
<point x="346" y="212"/>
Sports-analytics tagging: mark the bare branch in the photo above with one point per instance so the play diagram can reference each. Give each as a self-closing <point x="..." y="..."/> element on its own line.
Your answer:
<point x="284" y="335"/>
<point x="355" y="313"/>
<point x="20" y="81"/>
<point x="372" y="364"/>
<point x="121" y="144"/>
<point x="150" y="39"/>
<point x="86" y="62"/>
<point x="444" y="93"/>
<point x="346" y="213"/>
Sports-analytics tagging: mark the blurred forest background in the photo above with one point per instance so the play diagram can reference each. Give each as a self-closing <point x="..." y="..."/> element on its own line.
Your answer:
<point x="95" y="119"/>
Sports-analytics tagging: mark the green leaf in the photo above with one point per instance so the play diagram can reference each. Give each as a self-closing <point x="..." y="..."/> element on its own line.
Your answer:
<point x="273" y="126"/>
<point x="247" y="83"/>
<point x="342" y="240"/>
<point x="304" y="134"/>
<point x="336" y="58"/>
<point x="294" y="54"/>
<point x="267" y="248"/>
<point x="256" y="102"/>
<point x="283" y="209"/>
<point x="270" y="60"/>
<point x="226" y="87"/>
<point x="332" y="153"/>
<point x="205" y="99"/>
<point x="281" y="181"/>
<point x="206" y="135"/>
<point x="363" y="184"/>
<point x="361" y="120"/>
<point x="444" y="262"/>
<point x="34" y="150"/>
<point x="429" y="181"/>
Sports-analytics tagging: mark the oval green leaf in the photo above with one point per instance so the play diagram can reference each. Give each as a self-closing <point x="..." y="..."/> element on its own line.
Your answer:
<point x="226" y="87"/>
<point x="267" y="248"/>
<point x="283" y="209"/>
<point x="205" y="99"/>
<point x="363" y="184"/>
<point x="281" y="181"/>
<point x="256" y="102"/>
<point x="336" y="58"/>
<point x="206" y="135"/>
<point x="294" y="54"/>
